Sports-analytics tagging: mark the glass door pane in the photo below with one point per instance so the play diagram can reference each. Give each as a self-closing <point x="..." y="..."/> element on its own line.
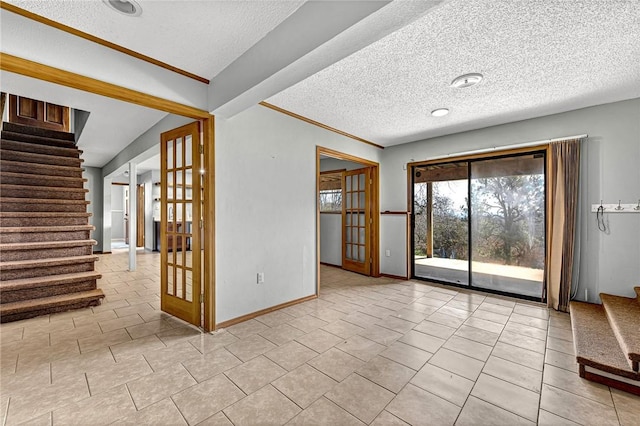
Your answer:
<point x="508" y="224"/>
<point x="440" y="232"/>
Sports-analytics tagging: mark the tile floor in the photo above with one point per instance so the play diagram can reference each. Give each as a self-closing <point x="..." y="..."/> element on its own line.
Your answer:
<point x="378" y="352"/>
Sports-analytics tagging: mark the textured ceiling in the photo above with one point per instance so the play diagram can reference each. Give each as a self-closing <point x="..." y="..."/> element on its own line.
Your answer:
<point x="201" y="37"/>
<point x="111" y="126"/>
<point x="537" y="57"/>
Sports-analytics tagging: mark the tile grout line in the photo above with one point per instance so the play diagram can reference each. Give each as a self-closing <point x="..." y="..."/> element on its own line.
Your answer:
<point x="6" y="413"/>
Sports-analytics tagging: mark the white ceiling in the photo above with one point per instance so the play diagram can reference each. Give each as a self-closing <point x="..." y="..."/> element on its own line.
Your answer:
<point x="538" y="58"/>
<point x="202" y="37"/>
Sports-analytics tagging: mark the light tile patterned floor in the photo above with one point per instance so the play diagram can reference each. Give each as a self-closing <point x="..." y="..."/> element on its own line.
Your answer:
<point x="373" y="351"/>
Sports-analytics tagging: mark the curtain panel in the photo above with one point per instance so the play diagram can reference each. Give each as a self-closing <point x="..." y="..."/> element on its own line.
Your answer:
<point x="564" y="168"/>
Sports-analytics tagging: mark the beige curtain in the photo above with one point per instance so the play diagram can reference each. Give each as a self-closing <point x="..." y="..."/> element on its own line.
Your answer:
<point x="564" y="167"/>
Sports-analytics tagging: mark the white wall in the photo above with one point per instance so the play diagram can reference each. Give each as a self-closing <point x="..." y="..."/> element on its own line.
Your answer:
<point x="331" y="238"/>
<point x="610" y="171"/>
<point x="329" y="164"/>
<point x="94" y="196"/>
<point x="266" y="208"/>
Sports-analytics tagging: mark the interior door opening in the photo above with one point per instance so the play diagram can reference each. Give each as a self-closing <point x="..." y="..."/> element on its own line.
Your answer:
<point x="481" y="223"/>
<point x="347" y="212"/>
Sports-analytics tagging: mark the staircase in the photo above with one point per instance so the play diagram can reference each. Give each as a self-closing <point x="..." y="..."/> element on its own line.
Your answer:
<point x="607" y="340"/>
<point x="46" y="254"/>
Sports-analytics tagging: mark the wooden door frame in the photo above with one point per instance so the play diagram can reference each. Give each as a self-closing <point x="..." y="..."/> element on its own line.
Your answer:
<point x="76" y="81"/>
<point x="375" y="207"/>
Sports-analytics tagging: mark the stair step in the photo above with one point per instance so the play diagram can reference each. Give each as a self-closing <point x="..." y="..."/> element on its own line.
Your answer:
<point x="42" y="205"/>
<point x="37" y="229"/>
<point x="40" y="169"/>
<point x="10" y="252"/>
<point x="48" y="305"/>
<point x="39" y="148"/>
<point x="49" y="192"/>
<point x="22" y="219"/>
<point x="47" y="262"/>
<point x="37" y="140"/>
<point x="52" y="285"/>
<point x="18" y="178"/>
<point x="37" y="131"/>
<point x="30" y="157"/>
<point x="623" y="314"/>
<point x="21" y="234"/>
<point x="48" y="266"/>
<point x="595" y="343"/>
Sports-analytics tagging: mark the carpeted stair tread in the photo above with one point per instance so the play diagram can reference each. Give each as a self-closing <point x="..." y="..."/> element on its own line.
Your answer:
<point x="10" y="186"/>
<point x="40" y="169"/>
<point x="35" y="229"/>
<point x="46" y="245"/>
<point x="29" y="219"/>
<point x="48" y="280"/>
<point x="42" y="214"/>
<point x="37" y="140"/>
<point x="37" y="131"/>
<point x="623" y="314"/>
<point x="30" y="157"/>
<point x="30" y="308"/>
<point x="594" y="342"/>
<point x="48" y="262"/>
<point x="40" y="200"/>
<point x="17" y="178"/>
<point x="39" y="149"/>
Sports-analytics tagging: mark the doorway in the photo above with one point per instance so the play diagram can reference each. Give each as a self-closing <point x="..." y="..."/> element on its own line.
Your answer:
<point x="481" y="222"/>
<point x="347" y="212"/>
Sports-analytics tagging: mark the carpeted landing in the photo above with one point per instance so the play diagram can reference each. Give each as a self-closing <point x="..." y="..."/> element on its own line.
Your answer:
<point x="607" y="340"/>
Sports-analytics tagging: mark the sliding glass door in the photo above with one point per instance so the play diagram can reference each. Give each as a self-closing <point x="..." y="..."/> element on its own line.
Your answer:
<point x="481" y="223"/>
<point x="441" y="231"/>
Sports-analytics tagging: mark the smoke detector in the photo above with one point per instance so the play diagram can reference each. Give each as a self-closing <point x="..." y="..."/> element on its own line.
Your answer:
<point x="126" y="7"/>
<point x="466" y="80"/>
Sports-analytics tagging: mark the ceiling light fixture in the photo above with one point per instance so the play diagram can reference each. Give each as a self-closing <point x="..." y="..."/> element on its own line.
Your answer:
<point x="466" y="80"/>
<point x="126" y="7"/>
<point x="440" y="112"/>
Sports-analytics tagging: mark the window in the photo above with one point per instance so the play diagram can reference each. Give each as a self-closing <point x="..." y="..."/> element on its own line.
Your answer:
<point x="331" y="200"/>
<point x="330" y="195"/>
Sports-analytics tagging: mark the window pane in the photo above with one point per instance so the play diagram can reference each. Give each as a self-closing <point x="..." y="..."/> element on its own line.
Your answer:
<point x="508" y="224"/>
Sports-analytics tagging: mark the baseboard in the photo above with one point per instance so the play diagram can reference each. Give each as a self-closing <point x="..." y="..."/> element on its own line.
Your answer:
<point x="253" y="315"/>
<point x="331" y="264"/>
<point x="396" y="277"/>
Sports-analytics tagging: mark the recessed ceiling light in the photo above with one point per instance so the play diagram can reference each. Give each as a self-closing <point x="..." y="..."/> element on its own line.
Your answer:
<point x="440" y="112"/>
<point x="466" y="80"/>
<point x="126" y="7"/>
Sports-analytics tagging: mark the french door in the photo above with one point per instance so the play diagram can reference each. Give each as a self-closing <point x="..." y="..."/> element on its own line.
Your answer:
<point x="180" y="220"/>
<point x="357" y="220"/>
<point x="481" y="223"/>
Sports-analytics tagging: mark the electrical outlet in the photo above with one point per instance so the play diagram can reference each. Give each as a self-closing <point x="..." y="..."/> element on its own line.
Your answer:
<point x="260" y="278"/>
<point x="387" y="253"/>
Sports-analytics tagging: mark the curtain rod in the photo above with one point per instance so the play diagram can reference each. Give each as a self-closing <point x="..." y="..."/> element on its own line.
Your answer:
<point x="495" y="148"/>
